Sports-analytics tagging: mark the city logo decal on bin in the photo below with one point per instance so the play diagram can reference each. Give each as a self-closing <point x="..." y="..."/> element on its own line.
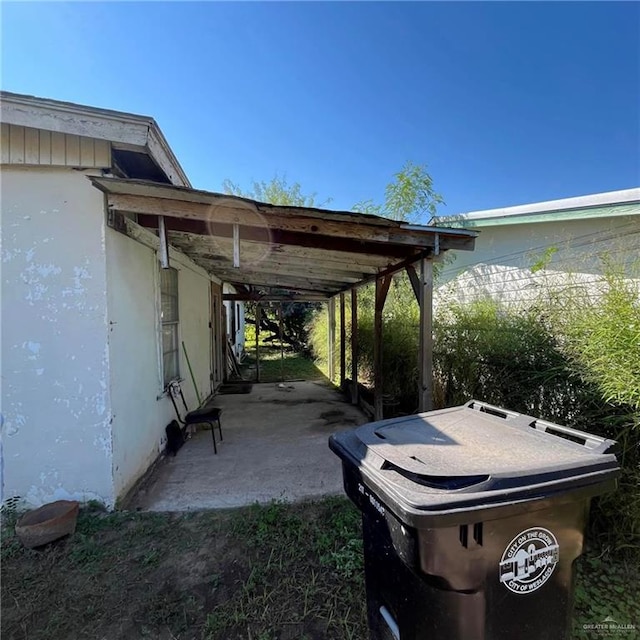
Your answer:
<point x="529" y="560"/>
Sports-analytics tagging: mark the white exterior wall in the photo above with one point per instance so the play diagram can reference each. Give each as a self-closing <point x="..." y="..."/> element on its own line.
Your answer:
<point x="238" y="343"/>
<point x="520" y="245"/>
<point x="140" y="410"/>
<point x="500" y="265"/>
<point x="56" y="437"/>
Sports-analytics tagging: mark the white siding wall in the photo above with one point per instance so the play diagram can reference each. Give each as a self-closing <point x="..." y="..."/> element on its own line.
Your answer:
<point x="139" y="415"/>
<point x="56" y="439"/>
<point x="500" y="266"/>
<point x="519" y="245"/>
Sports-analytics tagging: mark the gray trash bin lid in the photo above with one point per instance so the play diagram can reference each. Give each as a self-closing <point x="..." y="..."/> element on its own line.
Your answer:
<point x="471" y="456"/>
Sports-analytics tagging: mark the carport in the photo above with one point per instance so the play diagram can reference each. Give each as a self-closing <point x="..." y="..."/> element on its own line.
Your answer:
<point x="272" y="253"/>
<point x="275" y="444"/>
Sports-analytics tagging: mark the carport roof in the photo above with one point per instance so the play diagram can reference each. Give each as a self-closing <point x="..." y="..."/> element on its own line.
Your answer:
<point x="300" y="249"/>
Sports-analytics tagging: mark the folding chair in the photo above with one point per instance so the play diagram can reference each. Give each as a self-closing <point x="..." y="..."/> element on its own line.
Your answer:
<point x="204" y="415"/>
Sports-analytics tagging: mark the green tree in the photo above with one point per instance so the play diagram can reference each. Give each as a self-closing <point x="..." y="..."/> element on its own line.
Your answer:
<point x="296" y="315"/>
<point x="275" y="191"/>
<point x="409" y="197"/>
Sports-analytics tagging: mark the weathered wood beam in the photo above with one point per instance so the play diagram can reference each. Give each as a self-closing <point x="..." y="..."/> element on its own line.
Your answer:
<point x="414" y="279"/>
<point x="354" y="346"/>
<point x="391" y="270"/>
<point x="343" y="340"/>
<point x="273" y="218"/>
<point x="258" y="311"/>
<point x="273" y="280"/>
<point x="281" y="332"/>
<point x="281" y="269"/>
<point x="233" y="213"/>
<point x="236" y="246"/>
<point x="275" y="262"/>
<point x="281" y="236"/>
<point x="425" y="369"/>
<point x="273" y="297"/>
<point x="164" y="244"/>
<point x="327" y="292"/>
<point x="382" y="288"/>
<point x="331" y="337"/>
<point x="253" y="250"/>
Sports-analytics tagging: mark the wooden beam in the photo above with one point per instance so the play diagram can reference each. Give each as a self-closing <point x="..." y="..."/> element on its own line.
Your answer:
<point x="252" y="250"/>
<point x="284" y="263"/>
<point x="279" y="236"/>
<point x="164" y="244"/>
<point x="281" y="327"/>
<point x="331" y="337"/>
<point x="425" y="369"/>
<point x="279" y="269"/>
<point x="231" y="211"/>
<point x="382" y="288"/>
<point x="275" y="297"/>
<point x="271" y="280"/>
<point x="236" y="246"/>
<point x="381" y="293"/>
<point x="414" y="279"/>
<point x="343" y="340"/>
<point x="245" y="214"/>
<point x="258" y="342"/>
<point x="394" y="268"/>
<point x="354" y="346"/>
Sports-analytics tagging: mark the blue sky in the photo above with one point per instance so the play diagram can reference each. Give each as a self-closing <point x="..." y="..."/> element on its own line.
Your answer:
<point x="506" y="103"/>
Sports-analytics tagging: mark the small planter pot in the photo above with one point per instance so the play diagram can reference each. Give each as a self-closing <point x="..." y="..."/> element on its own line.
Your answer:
<point x="47" y="523"/>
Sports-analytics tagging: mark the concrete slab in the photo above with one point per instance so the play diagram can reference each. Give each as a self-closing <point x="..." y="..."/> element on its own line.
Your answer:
<point x="275" y="447"/>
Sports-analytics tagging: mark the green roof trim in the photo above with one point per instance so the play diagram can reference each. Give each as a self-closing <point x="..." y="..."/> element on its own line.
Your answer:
<point x="631" y="209"/>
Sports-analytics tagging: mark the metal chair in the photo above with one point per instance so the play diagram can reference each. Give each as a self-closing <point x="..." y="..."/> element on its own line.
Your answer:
<point x="204" y="415"/>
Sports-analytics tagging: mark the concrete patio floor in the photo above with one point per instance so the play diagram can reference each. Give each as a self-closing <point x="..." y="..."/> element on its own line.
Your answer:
<point x="275" y="447"/>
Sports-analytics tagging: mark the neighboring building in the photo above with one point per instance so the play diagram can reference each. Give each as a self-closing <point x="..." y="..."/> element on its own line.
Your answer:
<point x="92" y="328"/>
<point x="521" y="250"/>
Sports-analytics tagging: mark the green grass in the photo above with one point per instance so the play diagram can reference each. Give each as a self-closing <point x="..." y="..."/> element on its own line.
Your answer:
<point x="273" y="368"/>
<point x="277" y="572"/>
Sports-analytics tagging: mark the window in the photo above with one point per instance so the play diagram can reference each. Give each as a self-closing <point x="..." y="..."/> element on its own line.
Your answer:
<point x="169" y="319"/>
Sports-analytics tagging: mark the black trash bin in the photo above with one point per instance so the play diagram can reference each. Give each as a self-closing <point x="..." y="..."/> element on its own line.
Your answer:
<point x="472" y="519"/>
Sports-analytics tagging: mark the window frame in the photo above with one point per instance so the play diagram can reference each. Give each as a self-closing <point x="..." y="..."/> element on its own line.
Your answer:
<point x="172" y="323"/>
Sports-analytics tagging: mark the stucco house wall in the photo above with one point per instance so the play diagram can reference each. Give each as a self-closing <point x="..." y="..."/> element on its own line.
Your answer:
<point x="55" y="359"/>
<point x="82" y="408"/>
<point x="140" y="410"/>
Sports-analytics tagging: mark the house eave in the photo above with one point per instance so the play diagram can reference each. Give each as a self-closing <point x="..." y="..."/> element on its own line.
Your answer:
<point x="120" y="128"/>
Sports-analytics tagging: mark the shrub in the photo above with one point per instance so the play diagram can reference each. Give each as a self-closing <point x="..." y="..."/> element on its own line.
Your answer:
<point x="572" y="358"/>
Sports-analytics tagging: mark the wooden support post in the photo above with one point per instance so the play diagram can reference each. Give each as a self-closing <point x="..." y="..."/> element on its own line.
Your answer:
<point x="414" y="279"/>
<point x="257" y="343"/>
<point x="164" y="243"/>
<point x="281" y="344"/>
<point x="425" y="367"/>
<point x="382" y="288"/>
<point x="331" y="310"/>
<point x="343" y="341"/>
<point x="236" y="245"/>
<point x="354" y="345"/>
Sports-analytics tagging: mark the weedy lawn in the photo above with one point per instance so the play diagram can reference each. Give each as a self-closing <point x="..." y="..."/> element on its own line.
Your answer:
<point x="285" y="572"/>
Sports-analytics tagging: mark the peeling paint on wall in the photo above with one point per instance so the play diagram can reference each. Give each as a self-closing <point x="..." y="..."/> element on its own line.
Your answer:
<point x="55" y="395"/>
